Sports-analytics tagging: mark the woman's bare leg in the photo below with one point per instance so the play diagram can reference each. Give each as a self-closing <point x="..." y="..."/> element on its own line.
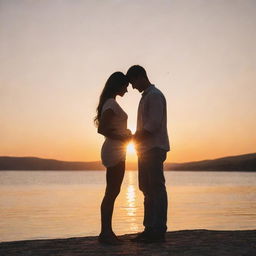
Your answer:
<point x="114" y="177"/>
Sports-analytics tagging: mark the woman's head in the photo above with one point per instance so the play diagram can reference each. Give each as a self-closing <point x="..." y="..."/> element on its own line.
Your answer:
<point x="116" y="84"/>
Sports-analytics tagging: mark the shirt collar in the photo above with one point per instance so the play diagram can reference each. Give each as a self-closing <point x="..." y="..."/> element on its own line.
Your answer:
<point x="148" y="90"/>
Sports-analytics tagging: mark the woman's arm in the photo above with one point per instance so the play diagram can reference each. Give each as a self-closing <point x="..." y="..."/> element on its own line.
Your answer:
<point x="104" y="129"/>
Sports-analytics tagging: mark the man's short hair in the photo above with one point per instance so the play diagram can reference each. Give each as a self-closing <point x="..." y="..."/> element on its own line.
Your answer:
<point x="136" y="71"/>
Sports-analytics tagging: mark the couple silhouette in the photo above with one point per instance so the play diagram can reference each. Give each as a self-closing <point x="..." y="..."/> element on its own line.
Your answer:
<point x="152" y="145"/>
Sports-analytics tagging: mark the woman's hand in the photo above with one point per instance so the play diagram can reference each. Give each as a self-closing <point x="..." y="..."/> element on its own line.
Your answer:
<point x="127" y="136"/>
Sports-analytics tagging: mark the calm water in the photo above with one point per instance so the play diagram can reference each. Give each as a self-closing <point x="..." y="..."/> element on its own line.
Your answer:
<point x="56" y="204"/>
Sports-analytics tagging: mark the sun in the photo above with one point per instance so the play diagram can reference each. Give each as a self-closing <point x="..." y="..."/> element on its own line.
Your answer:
<point x="131" y="148"/>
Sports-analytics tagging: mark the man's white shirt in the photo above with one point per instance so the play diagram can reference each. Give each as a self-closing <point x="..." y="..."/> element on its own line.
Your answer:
<point x="152" y="117"/>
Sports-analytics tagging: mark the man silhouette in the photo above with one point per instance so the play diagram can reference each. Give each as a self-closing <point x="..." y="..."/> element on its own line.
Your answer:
<point x="152" y="145"/>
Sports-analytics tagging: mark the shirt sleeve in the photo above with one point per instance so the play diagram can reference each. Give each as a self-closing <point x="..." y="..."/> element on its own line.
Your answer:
<point x="109" y="104"/>
<point x="154" y="112"/>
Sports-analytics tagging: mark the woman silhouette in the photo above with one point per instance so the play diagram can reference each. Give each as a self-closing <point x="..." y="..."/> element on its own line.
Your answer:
<point x="112" y="123"/>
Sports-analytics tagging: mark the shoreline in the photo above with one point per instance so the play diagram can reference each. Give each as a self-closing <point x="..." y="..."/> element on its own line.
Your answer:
<point x="133" y="170"/>
<point x="199" y="242"/>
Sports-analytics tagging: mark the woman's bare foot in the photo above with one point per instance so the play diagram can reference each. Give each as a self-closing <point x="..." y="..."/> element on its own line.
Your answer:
<point x="109" y="238"/>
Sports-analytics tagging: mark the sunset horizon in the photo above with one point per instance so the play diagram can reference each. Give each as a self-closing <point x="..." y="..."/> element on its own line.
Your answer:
<point x="130" y="158"/>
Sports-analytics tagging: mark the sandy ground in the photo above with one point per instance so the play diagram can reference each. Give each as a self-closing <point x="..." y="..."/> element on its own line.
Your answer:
<point x="185" y="242"/>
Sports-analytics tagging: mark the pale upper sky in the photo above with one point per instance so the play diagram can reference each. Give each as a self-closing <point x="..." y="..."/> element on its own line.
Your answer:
<point x="57" y="54"/>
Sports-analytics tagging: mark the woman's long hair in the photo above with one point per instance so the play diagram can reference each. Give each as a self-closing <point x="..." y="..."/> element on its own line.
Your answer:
<point x="113" y="85"/>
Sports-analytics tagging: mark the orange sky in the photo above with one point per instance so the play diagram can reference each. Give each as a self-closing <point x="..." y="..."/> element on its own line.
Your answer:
<point x="57" y="55"/>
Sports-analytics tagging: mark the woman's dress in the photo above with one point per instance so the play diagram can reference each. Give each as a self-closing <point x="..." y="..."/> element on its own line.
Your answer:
<point x="114" y="151"/>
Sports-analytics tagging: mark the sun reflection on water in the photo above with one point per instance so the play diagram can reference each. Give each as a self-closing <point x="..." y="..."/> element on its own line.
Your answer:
<point x="131" y="203"/>
<point x="130" y="197"/>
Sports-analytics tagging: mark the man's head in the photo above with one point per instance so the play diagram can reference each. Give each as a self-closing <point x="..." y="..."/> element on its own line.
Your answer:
<point x="138" y="78"/>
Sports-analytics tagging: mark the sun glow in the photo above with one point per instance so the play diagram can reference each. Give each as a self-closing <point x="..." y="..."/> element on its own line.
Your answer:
<point x="131" y="148"/>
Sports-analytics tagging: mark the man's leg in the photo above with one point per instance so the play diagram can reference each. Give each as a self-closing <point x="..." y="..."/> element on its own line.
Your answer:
<point x="158" y="194"/>
<point x="160" y="197"/>
<point x="152" y="184"/>
<point x="144" y="187"/>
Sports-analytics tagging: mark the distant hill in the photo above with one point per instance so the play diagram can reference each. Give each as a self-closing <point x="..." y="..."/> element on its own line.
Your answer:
<point x="35" y="163"/>
<point x="246" y="163"/>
